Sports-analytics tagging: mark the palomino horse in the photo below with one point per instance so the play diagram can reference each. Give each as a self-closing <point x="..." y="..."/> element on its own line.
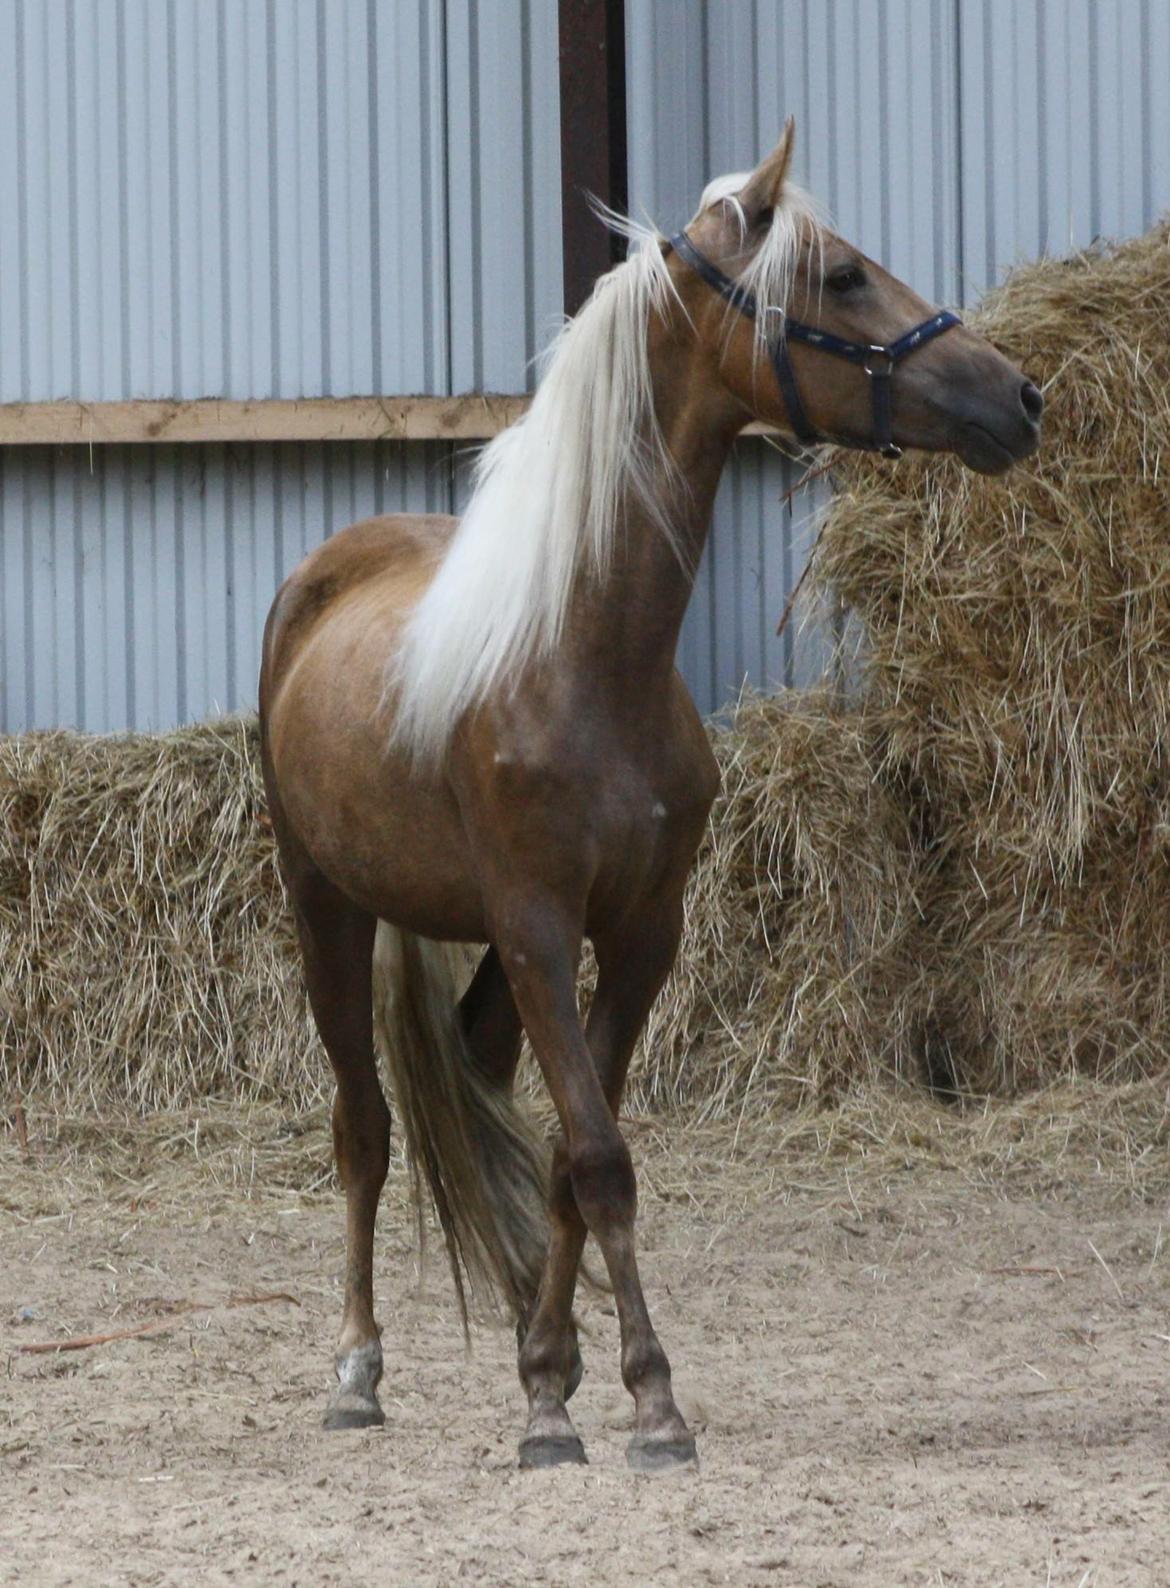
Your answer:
<point x="474" y="732"/>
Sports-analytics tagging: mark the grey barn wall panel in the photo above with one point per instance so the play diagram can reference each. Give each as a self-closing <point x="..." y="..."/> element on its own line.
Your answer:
<point x="276" y="198"/>
<point x="1066" y="126"/>
<point x="763" y="542"/>
<point x="134" y="581"/>
<point x="504" y="216"/>
<point x="258" y="198"/>
<point x="873" y="90"/>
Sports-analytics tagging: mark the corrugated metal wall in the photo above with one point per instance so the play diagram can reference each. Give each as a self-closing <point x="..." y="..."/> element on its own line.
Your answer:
<point x="134" y="581"/>
<point x="276" y="198"/>
<point x="245" y="198"/>
<point x="299" y="197"/>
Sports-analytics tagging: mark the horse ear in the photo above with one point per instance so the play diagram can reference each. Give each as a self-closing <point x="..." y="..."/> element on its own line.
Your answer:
<point x="765" y="187"/>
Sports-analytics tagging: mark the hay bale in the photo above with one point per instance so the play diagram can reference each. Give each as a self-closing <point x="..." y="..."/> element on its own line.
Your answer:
<point x="800" y="916"/>
<point x="146" y="952"/>
<point x="147" y="957"/>
<point x="1016" y="652"/>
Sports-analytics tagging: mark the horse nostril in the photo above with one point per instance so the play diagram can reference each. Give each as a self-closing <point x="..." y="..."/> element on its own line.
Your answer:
<point x="1032" y="399"/>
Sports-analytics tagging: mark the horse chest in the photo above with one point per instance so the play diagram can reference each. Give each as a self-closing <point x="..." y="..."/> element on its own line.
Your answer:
<point x="648" y="827"/>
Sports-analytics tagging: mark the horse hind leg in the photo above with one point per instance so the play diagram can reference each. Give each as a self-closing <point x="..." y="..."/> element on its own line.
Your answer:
<point x="550" y="1359"/>
<point x="337" y="943"/>
<point x="492" y="1026"/>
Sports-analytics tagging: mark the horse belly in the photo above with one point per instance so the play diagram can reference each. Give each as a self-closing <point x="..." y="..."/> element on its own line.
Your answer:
<point x="392" y="841"/>
<point x="396" y="849"/>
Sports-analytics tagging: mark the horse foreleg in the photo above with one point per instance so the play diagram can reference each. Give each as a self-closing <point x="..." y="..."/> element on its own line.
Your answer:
<point x="594" y="1187"/>
<point x="337" y="942"/>
<point x="549" y="1359"/>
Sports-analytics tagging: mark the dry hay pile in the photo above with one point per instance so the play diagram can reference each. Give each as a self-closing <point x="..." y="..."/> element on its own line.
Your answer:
<point x="146" y="953"/>
<point x="800" y="916"/>
<point x="1016" y="666"/>
<point x="147" y="957"/>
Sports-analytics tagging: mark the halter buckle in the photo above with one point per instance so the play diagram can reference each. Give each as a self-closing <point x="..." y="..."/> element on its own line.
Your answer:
<point x="876" y="350"/>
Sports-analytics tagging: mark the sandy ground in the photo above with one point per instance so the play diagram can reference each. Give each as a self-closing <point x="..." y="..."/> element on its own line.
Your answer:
<point x="926" y="1383"/>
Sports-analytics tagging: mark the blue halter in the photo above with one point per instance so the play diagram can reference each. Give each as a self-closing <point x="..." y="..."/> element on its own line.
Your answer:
<point x="877" y="359"/>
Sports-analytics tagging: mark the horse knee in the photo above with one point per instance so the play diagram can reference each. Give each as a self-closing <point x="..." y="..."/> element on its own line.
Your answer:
<point x="602" y="1177"/>
<point x="562" y="1204"/>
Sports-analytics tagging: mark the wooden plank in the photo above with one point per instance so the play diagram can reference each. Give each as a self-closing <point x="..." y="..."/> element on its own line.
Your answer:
<point x="471" y="418"/>
<point x="477" y="417"/>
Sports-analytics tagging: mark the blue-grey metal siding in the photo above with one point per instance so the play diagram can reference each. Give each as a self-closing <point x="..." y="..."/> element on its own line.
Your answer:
<point x="275" y="198"/>
<point x="1065" y="127"/>
<point x="504" y="206"/>
<point x="134" y="581"/>
<point x="300" y="197"/>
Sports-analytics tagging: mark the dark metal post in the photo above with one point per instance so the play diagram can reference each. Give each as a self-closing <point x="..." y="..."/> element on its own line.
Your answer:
<point x="593" y="137"/>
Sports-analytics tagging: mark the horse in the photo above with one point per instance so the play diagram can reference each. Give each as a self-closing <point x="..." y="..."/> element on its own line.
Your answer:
<point x="473" y="733"/>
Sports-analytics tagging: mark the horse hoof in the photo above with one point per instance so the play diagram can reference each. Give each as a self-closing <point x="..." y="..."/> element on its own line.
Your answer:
<point x="353" y="1411"/>
<point x="575" y="1374"/>
<point x="662" y="1455"/>
<point x="552" y="1450"/>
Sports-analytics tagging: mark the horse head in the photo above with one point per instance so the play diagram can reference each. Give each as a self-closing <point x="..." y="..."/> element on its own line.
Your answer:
<point x="813" y="337"/>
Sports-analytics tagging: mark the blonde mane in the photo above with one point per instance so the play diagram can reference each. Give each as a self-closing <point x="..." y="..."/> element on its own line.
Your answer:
<point x="771" y="270"/>
<point x="549" y="492"/>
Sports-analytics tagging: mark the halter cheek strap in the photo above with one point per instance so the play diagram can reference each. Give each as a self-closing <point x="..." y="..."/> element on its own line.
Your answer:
<point x="877" y="359"/>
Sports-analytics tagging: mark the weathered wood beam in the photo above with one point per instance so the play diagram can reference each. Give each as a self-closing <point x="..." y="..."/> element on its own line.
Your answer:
<point x="76" y="424"/>
<point x="471" y="418"/>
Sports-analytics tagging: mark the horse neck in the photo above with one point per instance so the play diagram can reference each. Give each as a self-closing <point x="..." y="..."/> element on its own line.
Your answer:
<point x="627" y="627"/>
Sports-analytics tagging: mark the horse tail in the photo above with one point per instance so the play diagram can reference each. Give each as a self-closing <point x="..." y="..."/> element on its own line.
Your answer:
<point x="485" y="1168"/>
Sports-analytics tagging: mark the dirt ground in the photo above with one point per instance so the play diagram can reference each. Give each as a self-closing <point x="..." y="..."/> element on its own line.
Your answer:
<point x="918" y="1382"/>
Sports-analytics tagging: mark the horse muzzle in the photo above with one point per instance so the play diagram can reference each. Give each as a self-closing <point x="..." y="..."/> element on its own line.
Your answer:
<point x="991" y="434"/>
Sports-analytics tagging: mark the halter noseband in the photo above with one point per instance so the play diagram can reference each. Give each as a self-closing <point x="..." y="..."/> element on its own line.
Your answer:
<point x="878" y="360"/>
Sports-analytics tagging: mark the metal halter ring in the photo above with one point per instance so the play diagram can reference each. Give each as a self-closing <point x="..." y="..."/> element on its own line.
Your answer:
<point x="877" y="350"/>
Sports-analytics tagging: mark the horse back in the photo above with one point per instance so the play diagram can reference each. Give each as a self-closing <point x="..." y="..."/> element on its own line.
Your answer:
<point x="396" y="555"/>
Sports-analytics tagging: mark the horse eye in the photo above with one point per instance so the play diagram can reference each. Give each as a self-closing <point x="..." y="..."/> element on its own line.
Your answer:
<point x="847" y="279"/>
